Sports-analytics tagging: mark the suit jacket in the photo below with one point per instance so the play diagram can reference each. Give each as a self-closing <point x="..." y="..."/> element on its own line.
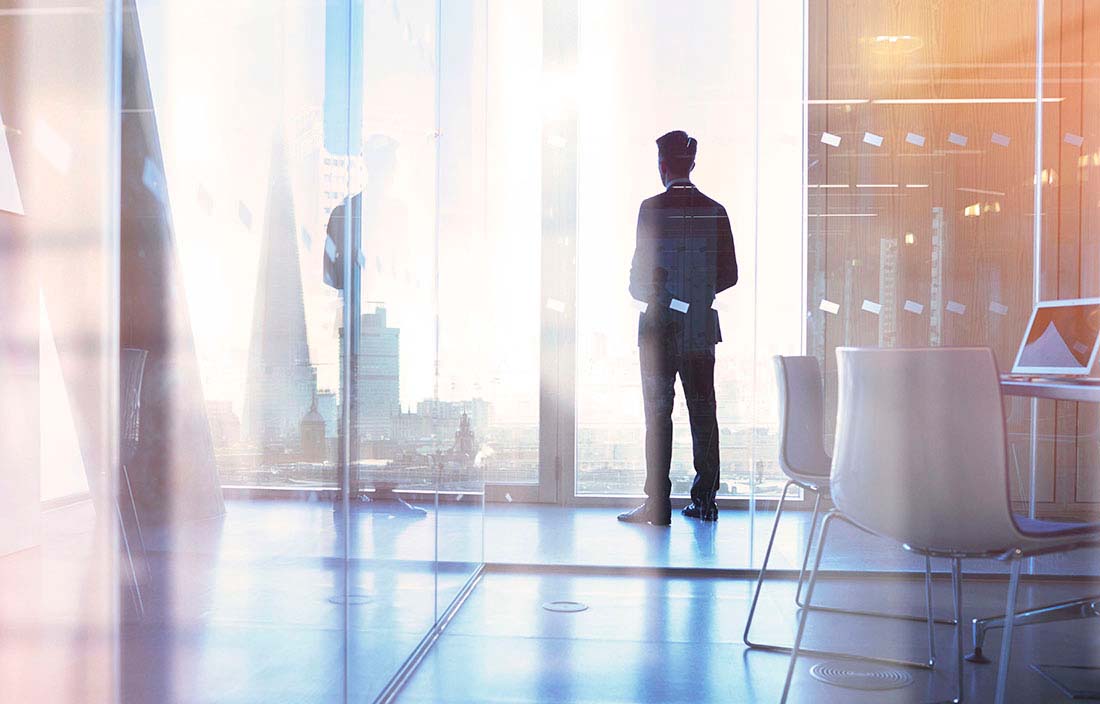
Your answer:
<point x="685" y="251"/>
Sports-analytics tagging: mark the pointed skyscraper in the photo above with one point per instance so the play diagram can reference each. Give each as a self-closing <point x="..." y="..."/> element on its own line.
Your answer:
<point x="281" y="383"/>
<point x="173" y="474"/>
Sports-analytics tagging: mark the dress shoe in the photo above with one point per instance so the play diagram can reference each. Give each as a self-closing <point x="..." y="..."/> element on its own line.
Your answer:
<point x="646" y="514"/>
<point x="694" y="510"/>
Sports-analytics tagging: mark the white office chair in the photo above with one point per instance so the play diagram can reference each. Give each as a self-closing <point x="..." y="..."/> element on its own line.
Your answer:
<point x="803" y="458"/>
<point x="920" y="459"/>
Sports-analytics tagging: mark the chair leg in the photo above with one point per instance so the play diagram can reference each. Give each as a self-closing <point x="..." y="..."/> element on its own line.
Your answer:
<point x="809" y="600"/>
<point x="1006" y="638"/>
<point x="956" y="588"/>
<point x="858" y="612"/>
<point x="806" y="552"/>
<point x="928" y="606"/>
<point x="828" y="609"/>
<point x="764" y="566"/>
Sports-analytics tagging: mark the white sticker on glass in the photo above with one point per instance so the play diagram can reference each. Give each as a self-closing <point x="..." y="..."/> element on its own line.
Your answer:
<point x="998" y="308"/>
<point x="914" y="307"/>
<point x="915" y="139"/>
<point x="1074" y="139"/>
<point x="957" y="139"/>
<point x="829" y="307"/>
<point x="1000" y="139"/>
<point x="956" y="307"/>
<point x="873" y="139"/>
<point x="872" y="307"/>
<point x="831" y="139"/>
<point x="678" y="305"/>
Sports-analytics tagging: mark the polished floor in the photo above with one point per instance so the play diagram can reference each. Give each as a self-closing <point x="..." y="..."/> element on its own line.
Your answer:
<point x="291" y="601"/>
<point x="533" y="534"/>
<point x="665" y="639"/>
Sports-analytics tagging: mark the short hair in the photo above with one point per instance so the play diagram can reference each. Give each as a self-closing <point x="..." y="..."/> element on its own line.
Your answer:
<point x="677" y="149"/>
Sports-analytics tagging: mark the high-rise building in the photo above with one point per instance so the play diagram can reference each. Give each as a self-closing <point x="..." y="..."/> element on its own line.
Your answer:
<point x="281" y="383"/>
<point x="377" y="379"/>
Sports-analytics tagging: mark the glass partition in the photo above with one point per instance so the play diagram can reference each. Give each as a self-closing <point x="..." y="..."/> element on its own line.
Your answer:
<point x="1068" y="452"/>
<point x="59" y="351"/>
<point x="698" y="67"/>
<point x="281" y="265"/>
<point x="227" y="187"/>
<point x="948" y="177"/>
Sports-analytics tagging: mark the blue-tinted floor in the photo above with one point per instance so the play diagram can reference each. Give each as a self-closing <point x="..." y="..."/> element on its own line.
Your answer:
<point x="250" y="607"/>
<point x="651" y="639"/>
<point x="532" y="534"/>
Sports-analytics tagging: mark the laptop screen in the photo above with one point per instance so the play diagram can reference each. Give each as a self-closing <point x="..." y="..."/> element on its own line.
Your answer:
<point x="1061" y="339"/>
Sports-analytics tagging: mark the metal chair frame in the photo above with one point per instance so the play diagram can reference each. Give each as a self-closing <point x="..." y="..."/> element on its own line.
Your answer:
<point x="818" y="491"/>
<point x="956" y="584"/>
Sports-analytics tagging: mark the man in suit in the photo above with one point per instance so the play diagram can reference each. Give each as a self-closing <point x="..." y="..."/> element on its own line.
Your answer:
<point x="683" y="257"/>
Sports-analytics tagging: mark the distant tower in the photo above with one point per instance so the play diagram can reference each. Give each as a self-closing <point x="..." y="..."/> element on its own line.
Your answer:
<point x="378" y="383"/>
<point x="465" y="443"/>
<point x="313" y="435"/>
<point x="281" y="383"/>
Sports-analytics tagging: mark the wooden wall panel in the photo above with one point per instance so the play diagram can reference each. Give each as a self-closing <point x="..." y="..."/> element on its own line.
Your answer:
<point x="970" y="216"/>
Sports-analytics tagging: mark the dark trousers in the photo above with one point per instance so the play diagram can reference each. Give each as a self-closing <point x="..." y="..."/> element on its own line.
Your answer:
<point x="660" y="366"/>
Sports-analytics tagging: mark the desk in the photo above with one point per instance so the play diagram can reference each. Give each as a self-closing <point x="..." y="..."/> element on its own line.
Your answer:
<point x="1087" y="607"/>
<point x="1052" y="389"/>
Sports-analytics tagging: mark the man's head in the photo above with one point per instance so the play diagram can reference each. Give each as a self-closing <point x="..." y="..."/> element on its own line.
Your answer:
<point x="675" y="155"/>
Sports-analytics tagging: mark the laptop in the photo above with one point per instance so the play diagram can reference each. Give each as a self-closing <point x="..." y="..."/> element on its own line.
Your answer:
<point x="1061" y="339"/>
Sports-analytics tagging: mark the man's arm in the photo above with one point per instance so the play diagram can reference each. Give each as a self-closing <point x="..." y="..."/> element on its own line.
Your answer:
<point x="727" y="256"/>
<point x="641" y="266"/>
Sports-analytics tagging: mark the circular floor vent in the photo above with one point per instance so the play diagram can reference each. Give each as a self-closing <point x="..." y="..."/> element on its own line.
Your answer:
<point x="565" y="607"/>
<point x="352" y="600"/>
<point x="855" y="675"/>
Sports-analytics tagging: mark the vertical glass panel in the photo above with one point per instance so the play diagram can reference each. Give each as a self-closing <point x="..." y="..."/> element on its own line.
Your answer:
<point x="1068" y="434"/>
<point x="920" y="183"/>
<point x="58" y="353"/>
<point x="685" y="66"/>
<point x="227" y="188"/>
<point x="779" y="235"/>
<point x="393" y="174"/>
<point x="472" y="342"/>
<point x="505" y="288"/>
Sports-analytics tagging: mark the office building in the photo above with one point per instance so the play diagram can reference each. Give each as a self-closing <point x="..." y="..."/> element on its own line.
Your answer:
<point x="378" y="377"/>
<point x="511" y="460"/>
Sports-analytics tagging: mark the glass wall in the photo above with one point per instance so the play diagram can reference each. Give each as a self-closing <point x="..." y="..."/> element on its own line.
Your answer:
<point x="318" y="164"/>
<point x="227" y="227"/>
<point x="950" y="186"/>
<point x="709" y="69"/>
<point x="58" y="351"/>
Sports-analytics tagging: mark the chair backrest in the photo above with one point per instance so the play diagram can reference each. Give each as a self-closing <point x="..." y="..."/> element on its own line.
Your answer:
<point x="920" y="448"/>
<point x="801" y="419"/>
<point x="131" y="371"/>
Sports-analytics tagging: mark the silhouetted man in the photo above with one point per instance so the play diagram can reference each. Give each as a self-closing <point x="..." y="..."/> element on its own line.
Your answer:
<point x="684" y="256"/>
